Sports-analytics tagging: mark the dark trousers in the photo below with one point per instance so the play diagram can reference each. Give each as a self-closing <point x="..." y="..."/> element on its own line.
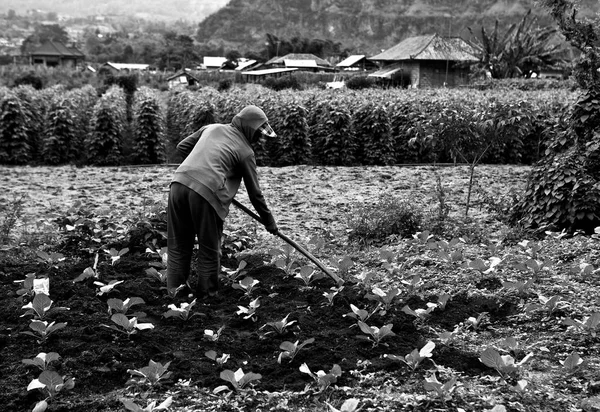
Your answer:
<point x="189" y="216"/>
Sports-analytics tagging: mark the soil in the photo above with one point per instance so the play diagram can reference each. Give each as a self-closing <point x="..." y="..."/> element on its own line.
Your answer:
<point x="100" y="358"/>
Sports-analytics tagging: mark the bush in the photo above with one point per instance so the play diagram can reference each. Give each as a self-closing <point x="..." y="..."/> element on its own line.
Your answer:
<point x="29" y="79"/>
<point x="388" y="216"/>
<point x="282" y="83"/>
<point x="149" y="140"/>
<point x="106" y="139"/>
<point x="59" y="144"/>
<point x="373" y="134"/>
<point x="359" y="82"/>
<point x="13" y="132"/>
<point x="224" y="85"/>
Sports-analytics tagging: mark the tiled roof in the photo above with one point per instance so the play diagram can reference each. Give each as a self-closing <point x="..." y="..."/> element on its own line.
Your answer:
<point x="432" y="47"/>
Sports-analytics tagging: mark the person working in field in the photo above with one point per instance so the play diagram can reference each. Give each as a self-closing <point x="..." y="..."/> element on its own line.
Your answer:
<point x="218" y="157"/>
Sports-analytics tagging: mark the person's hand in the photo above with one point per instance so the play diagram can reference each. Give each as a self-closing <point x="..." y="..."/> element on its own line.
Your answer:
<point x="272" y="228"/>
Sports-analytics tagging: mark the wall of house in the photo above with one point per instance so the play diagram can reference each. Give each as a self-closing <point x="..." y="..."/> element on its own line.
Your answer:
<point x="440" y="74"/>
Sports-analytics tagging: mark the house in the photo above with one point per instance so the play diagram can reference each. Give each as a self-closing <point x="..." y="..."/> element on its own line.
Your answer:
<point x="181" y="80"/>
<point x="54" y="54"/>
<point x="119" y="68"/>
<point x="213" y="63"/>
<point x="426" y="61"/>
<point x="300" y="61"/>
<point x="356" y="62"/>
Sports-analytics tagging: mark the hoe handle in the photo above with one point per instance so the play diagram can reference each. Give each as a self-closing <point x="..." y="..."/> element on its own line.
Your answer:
<point x="292" y="243"/>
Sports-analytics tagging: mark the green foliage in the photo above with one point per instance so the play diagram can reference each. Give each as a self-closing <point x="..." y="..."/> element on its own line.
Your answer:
<point x="333" y="135"/>
<point x="82" y="102"/>
<point x="104" y="143"/>
<point x="29" y="79"/>
<point x="282" y="83"/>
<point x="149" y="142"/>
<point x="34" y="104"/>
<point x="292" y="146"/>
<point x="388" y="216"/>
<point x="373" y="134"/>
<point x="359" y="82"/>
<point x="14" y="148"/>
<point x="59" y="144"/>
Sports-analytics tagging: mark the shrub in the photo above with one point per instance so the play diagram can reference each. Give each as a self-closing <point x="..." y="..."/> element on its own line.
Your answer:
<point x="224" y="85"/>
<point x="292" y="145"/>
<point x="359" y="82"/>
<point x="106" y="139"/>
<point x="334" y="139"/>
<point x="149" y="142"/>
<point x="14" y="148"/>
<point x="373" y="134"/>
<point x="282" y="83"/>
<point x="29" y="79"/>
<point x="59" y="143"/>
<point x="388" y="216"/>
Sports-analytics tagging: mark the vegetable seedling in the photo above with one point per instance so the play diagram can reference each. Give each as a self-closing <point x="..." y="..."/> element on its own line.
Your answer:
<point x="332" y="294"/>
<point x="349" y="405"/>
<point x="220" y="360"/>
<point x="238" y="379"/>
<point x="476" y="322"/>
<point x="250" y="311"/>
<point x="151" y="374"/>
<point x="183" y="312"/>
<point x="504" y="364"/>
<point x="127" y="326"/>
<point x="413" y="284"/>
<point x="160" y="275"/>
<point x="443" y="300"/>
<point x="122" y="306"/>
<point x="26" y="285"/>
<point x="89" y="272"/>
<point x="587" y="324"/>
<point x="290" y="350"/>
<point x="442" y="390"/>
<point x="106" y="287"/>
<point x="519" y="286"/>
<point x="420" y="314"/>
<point x="213" y="336"/>
<point x="384" y="298"/>
<point x="115" y="255"/>
<point x="237" y="273"/>
<point x="414" y="359"/>
<point x="42" y="329"/>
<point x="51" y="382"/>
<point x="50" y="259"/>
<point x="40" y="306"/>
<point x="42" y="360"/>
<point x="247" y="285"/>
<point x="279" y="327"/>
<point x="485" y="268"/>
<point x="321" y="378"/>
<point x="359" y="314"/>
<point x="150" y="407"/>
<point x="572" y="363"/>
<point x="374" y="333"/>
<point x="308" y="274"/>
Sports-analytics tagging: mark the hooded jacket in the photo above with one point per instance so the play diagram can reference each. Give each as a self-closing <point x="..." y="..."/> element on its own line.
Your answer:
<point x="219" y="156"/>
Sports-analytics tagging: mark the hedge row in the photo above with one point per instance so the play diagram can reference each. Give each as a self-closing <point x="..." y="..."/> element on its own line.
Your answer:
<point x="370" y="127"/>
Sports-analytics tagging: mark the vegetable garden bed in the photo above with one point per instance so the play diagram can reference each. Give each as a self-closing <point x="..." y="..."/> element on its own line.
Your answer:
<point x="474" y="319"/>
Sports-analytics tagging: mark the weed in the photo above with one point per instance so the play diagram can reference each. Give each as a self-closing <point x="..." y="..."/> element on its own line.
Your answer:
<point x="388" y="216"/>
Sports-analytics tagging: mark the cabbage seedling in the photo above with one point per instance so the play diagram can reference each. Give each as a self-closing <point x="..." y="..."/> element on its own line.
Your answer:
<point x="476" y="322"/>
<point x="374" y="333"/>
<point x="414" y="359"/>
<point x="127" y="326"/>
<point x="106" y="287"/>
<point x="182" y="312"/>
<point x="483" y="267"/>
<point x="385" y="298"/>
<point x="308" y="274"/>
<point x="443" y="300"/>
<point x="42" y="360"/>
<point x="213" y="336"/>
<point x="115" y="255"/>
<point x="588" y="324"/>
<point x="51" y="382"/>
<point x="160" y="275"/>
<point x="290" y="350"/>
<point x="572" y="362"/>
<point x="42" y="329"/>
<point x="359" y="314"/>
<point x="349" y="405"/>
<point x="323" y="379"/>
<point x="420" y="314"/>
<point x="239" y="272"/>
<point x="442" y="390"/>
<point x="151" y="374"/>
<point x="279" y="327"/>
<point x="519" y="286"/>
<point x="332" y="294"/>
<point x="89" y="272"/>
<point x="40" y="306"/>
<point x="250" y="311"/>
<point x="505" y="365"/>
<point x="549" y="305"/>
<point x="221" y="360"/>
<point x="26" y="285"/>
<point x="150" y="407"/>
<point x="413" y="284"/>
<point x="247" y="285"/>
<point x="122" y="306"/>
<point x="237" y="379"/>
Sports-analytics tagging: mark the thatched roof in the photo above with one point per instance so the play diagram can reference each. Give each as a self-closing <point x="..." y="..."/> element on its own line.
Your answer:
<point x="431" y="47"/>
<point x="298" y="56"/>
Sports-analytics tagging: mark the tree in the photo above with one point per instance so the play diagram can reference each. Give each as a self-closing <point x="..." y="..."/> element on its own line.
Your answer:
<point x="522" y="48"/>
<point x="43" y="33"/>
<point x="563" y="191"/>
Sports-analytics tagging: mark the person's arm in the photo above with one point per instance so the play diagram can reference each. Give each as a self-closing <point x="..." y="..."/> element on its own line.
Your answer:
<point x="250" y="176"/>
<point x="186" y="146"/>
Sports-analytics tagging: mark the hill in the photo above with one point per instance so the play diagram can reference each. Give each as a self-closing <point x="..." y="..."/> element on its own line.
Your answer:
<point x="364" y="25"/>
<point x="191" y="10"/>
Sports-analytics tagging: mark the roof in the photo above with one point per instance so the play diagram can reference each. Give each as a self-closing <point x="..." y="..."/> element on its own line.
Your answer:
<point x="431" y="47"/>
<point x="127" y="66"/>
<point x="386" y="73"/>
<point x="300" y="63"/>
<point x="351" y="60"/>
<point x="52" y="48"/>
<point x="298" y="56"/>
<point x="269" y="71"/>
<point x="210" y="61"/>
<point x="181" y="73"/>
<point x="244" y="65"/>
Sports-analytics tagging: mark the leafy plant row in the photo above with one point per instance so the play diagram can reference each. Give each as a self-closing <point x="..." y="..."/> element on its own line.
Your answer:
<point x="382" y="127"/>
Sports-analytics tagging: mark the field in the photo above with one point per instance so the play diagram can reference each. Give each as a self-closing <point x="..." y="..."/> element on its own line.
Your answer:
<point x="482" y="316"/>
